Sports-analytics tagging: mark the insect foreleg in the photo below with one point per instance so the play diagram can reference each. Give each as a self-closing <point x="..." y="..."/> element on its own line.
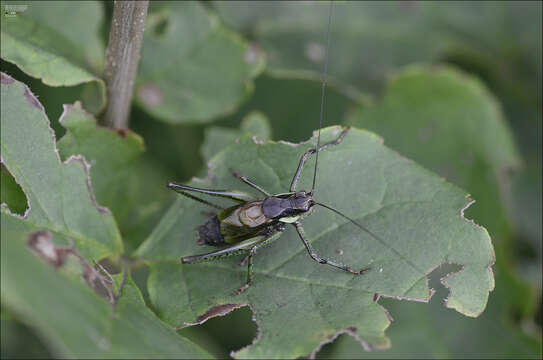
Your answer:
<point x="320" y="260"/>
<point x="250" y="183"/>
<point x="311" y="152"/>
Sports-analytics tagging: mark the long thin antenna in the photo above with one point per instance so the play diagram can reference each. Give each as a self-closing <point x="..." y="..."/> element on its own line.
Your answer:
<point x="373" y="235"/>
<point x="322" y="94"/>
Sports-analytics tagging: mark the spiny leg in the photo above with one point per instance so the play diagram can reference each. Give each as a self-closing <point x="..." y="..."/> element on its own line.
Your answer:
<point x="236" y="195"/>
<point x="250" y="183"/>
<point x="320" y="260"/>
<point x="311" y="152"/>
<point x="249" y="258"/>
<point x="247" y="245"/>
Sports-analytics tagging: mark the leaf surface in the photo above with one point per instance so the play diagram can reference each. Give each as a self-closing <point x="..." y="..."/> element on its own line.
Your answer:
<point x="74" y="320"/>
<point x="47" y="41"/>
<point x="298" y="303"/>
<point x="59" y="194"/>
<point x="203" y="71"/>
<point x="124" y="181"/>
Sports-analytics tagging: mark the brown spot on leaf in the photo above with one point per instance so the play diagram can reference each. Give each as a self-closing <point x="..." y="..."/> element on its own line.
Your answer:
<point x="41" y="244"/>
<point x="122" y="132"/>
<point x="6" y="79"/>
<point x="150" y="95"/>
<point x="219" y="310"/>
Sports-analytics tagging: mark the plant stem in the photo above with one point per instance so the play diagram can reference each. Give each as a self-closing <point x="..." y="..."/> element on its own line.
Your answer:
<point x="122" y="57"/>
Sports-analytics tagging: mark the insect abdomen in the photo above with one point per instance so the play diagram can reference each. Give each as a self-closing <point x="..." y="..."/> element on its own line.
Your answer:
<point x="210" y="233"/>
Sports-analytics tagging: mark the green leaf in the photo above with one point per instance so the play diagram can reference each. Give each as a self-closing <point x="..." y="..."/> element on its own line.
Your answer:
<point x="431" y="331"/>
<point x="129" y="185"/>
<point x="298" y="303"/>
<point x="59" y="193"/>
<point x="203" y="70"/>
<point x="74" y="320"/>
<point x="108" y="152"/>
<point x="47" y="41"/>
<point x="454" y="115"/>
<point x="216" y="137"/>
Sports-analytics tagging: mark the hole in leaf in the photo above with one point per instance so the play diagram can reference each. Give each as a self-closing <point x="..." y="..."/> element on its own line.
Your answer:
<point x="222" y="334"/>
<point x="11" y="193"/>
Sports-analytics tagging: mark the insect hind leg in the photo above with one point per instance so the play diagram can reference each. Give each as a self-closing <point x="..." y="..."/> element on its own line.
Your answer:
<point x="320" y="260"/>
<point x="309" y="152"/>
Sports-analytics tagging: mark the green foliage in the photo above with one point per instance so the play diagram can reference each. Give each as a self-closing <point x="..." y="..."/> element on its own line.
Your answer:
<point x="454" y="87"/>
<point x="53" y="46"/>
<point x="204" y="69"/>
<point x="59" y="193"/>
<point x="101" y="331"/>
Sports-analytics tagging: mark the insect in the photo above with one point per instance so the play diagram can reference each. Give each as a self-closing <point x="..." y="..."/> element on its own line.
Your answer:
<point x="253" y="223"/>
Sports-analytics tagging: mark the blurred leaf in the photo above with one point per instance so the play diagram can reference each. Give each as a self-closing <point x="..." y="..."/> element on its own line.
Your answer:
<point x="175" y="149"/>
<point x="59" y="193"/>
<point x="417" y="214"/>
<point x="526" y="212"/>
<point x="291" y="102"/>
<point x="20" y="342"/>
<point x="369" y="39"/>
<point x="454" y="115"/>
<point x="47" y="41"/>
<point x="203" y="70"/>
<point x="217" y="138"/>
<point x="75" y="321"/>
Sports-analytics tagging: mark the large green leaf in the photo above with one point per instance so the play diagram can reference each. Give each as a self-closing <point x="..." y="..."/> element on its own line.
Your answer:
<point x="297" y="302"/>
<point x="59" y="194"/>
<point x="75" y="321"/>
<point x="47" y="41"/>
<point x="202" y="71"/>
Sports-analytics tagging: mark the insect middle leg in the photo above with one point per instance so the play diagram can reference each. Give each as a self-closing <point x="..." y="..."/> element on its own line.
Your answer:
<point x="252" y="253"/>
<point x="320" y="260"/>
<point x="311" y="152"/>
<point x="250" y="183"/>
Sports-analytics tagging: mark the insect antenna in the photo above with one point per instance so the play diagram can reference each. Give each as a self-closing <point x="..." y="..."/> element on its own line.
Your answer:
<point x="362" y="227"/>
<point x="322" y="94"/>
